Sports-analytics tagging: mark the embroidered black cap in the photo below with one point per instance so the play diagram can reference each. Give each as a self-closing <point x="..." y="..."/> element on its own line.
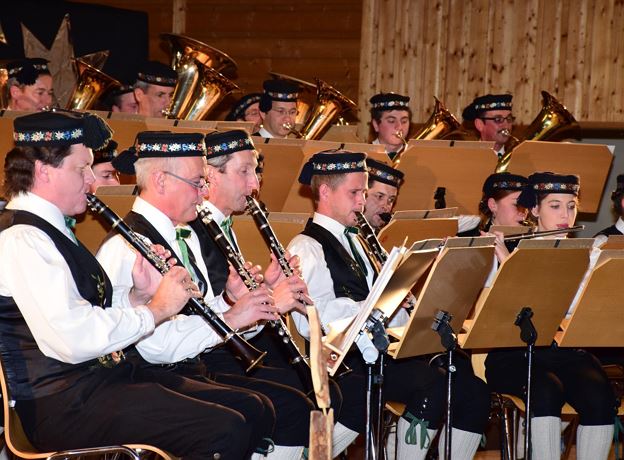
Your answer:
<point x="545" y="183"/>
<point x="504" y="181"/>
<point x="238" y="111"/>
<point x="227" y="142"/>
<point x="384" y="173"/>
<point x="106" y="153"/>
<point x="59" y="128"/>
<point x="277" y="90"/>
<point x="482" y="104"/>
<point x="332" y="162"/>
<point x="389" y="101"/>
<point x="166" y="144"/>
<point x="157" y="73"/>
<point x="27" y="70"/>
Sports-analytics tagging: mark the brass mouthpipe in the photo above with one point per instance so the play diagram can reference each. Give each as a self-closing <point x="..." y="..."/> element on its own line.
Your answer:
<point x="399" y="153"/>
<point x="292" y="130"/>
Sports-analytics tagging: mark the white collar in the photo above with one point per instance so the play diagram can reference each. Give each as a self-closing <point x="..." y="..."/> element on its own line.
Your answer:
<point x="41" y="207"/>
<point x="264" y="133"/>
<point x="329" y="224"/>
<point x="156" y="217"/>
<point x="217" y="215"/>
<point x="620" y="225"/>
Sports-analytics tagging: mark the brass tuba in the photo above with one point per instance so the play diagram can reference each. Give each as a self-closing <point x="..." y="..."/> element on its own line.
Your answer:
<point x="330" y="103"/>
<point x="91" y="85"/>
<point x="440" y="123"/>
<point x="552" y="119"/>
<point x="306" y="98"/>
<point x="201" y="85"/>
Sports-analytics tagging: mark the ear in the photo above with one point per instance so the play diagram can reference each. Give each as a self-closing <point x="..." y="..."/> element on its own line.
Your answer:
<point x="157" y="178"/>
<point x="15" y="91"/>
<point x="41" y="172"/>
<point x="535" y="212"/>
<point x="211" y="174"/>
<point x="324" y="191"/>
<point x="138" y="94"/>
<point x="479" y="125"/>
<point x="262" y="115"/>
<point x="375" y="125"/>
<point x="492" y="205"/>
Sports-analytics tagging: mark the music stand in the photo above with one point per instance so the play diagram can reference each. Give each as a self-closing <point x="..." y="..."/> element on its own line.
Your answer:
<point x="541" y="274"/>
<point x="417" y="229"/>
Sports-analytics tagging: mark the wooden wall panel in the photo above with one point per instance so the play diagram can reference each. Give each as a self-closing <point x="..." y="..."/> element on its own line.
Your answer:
<point x="458" y="49"/>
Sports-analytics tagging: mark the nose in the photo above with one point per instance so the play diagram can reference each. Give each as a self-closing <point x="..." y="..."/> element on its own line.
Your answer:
<point x="89" y="177"/>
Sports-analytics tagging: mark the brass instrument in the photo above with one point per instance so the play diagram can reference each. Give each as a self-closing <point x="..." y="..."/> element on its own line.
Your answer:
<point x="305" y="100"/>
<point x="200" y="85"/>
<point x="440" y="123"/>
<point x="552" y="119"/>
<point x="330" y="103"/>
<point x="530" y="234"/>
<point x="277" y="249"/>
<point x="91" y="85"/>
<point x="241" y="349"/>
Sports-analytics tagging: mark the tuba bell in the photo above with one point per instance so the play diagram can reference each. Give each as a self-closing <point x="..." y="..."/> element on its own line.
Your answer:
<point x="91" y="85"/>
<point x="440" y="123"/>
<point x="330" y="103"/>
<point x="552" y="119"/>
<point x="201" y="85"/>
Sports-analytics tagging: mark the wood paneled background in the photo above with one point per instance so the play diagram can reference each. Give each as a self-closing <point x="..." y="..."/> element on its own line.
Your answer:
<point x="453" y="49"/>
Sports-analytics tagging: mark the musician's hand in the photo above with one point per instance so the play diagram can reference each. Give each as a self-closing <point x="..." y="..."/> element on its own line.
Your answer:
<point x="409" y="301"/>
<point x="274" y="274"/>
<point x="235" y="287"/>
<point x="291" y="294"/>
<point x="145" y="277"/>
<point x="500" y="250"/>
<point x="254" y="306"/>
<point x="174" y="291"/>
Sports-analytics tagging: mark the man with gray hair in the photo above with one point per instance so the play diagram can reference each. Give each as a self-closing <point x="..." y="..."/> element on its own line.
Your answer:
<point x="153" y="88"/>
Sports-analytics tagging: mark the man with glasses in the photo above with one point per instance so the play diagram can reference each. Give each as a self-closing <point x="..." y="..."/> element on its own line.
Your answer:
<point x="170" y="170"/>
<point x="278" y="108"/>
<point x="247" y="109"/>
<point x="492" y="118"/>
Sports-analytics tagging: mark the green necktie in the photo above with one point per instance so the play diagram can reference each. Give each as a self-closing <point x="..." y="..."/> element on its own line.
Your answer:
<point x="356" y="255"/>
<point x="226" y="226"/>
<point x="181" y="235"/>
<point x="70" y="223"/>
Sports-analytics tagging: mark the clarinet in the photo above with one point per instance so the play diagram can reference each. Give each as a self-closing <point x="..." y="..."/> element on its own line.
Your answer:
<point x="239" y="347"/>
<point x="296" y="358"/>
<point x="368" y="233"/>
<point x="270" y="238"/>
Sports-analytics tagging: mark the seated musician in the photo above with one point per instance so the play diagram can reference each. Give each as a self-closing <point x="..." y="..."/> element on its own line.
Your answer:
<point x="560" y="375"/>
<point x="339" y="275"/>
<point x="617" y="196"/>
<point x="30" y="85"/>
<point x="383" y="187"/>
<point x="123" y="100"/>
<point x="278" y="108"/>
<point x="153" y="89"/>
<point x="492" y="118"/>
<point x="390" y="120"/>
<point x="247" y="109"/>
<point x="170" y="175"/>
<point x="103" y="169"/>
<point x="60" y="336"/>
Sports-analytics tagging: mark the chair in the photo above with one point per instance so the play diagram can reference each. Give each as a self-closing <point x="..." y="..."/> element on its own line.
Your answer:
<point x="19" y="445"/>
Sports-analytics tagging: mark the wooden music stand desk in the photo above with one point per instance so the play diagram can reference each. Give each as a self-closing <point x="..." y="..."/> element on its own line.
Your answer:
<point x="541" y="274"/>
<point x="452" y="285"/>
<point x="395" y="232"/>
<point x="598" y="315"/>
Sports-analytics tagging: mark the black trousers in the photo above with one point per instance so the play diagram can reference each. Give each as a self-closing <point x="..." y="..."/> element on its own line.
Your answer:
<point x="126" y="404"/>
<point x="560" y="375"/>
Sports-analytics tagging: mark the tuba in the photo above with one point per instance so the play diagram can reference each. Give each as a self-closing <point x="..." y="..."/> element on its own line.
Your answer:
<point x="552" y="119"/>
<point x="306" y="99"/>
<point x="440" y="123"/>
<point x="330" y="103"/>
<point x="91" y="85"/>
<point x="201" y="85"/>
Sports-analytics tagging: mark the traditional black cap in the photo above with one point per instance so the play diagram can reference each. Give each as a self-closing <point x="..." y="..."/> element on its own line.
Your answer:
<point x="332" y="162"/>
<point x="224" y="143"/>
<point x="27" y="70"/>
<point x="61" y="128"/>
<point x="482" y="104"/>
<point x="381" y="172"/>
<point x="238" y="111"/>
<point x="106" y="153"/>
<point x="277" y="90"/>
<point x="545" y="183"/>
<point x="165" y="144"/>
<point x="157" y="73"/>
<point x="620" y="183"/>
<point x="504" y="181"/>
<point x="124" y="162"/>
<point x="389" y="101"/>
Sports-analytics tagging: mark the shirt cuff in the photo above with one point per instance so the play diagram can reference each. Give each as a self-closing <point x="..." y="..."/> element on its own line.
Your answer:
<point x="146" y="317"/>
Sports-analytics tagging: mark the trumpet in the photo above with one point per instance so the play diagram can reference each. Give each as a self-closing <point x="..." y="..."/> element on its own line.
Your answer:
<point x="241" y="349"/>
<point x="397" y="155"/>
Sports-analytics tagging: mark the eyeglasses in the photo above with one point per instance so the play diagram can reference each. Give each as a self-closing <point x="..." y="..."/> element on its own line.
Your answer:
<point x="284" y="112"/>
<point x="500" y="120"/>
<point x="201" y="184"/>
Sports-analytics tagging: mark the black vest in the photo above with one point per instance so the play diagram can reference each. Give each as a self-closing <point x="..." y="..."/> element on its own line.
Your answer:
<point x="216" y="263"/>
<point x="609" y="231"/>
<point x="140" y="225"/>
<point x="30" y="374"/>
<point x="349" y="280"/>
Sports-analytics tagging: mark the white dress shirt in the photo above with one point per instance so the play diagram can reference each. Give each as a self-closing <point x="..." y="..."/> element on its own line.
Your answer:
<point x="319" y="280"/>
<point x="181" y="336"/>
<point x="65" y="326"/>
<point x="602" y="239"/>
<point x="264" y="133"/>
